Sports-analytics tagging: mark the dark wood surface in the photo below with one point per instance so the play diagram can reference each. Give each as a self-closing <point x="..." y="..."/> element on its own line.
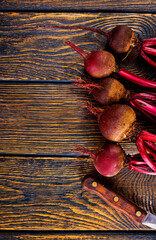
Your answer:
<point x="43" y="118"/>
<point x="84" y="235"/>
<point x="70" y="5"/>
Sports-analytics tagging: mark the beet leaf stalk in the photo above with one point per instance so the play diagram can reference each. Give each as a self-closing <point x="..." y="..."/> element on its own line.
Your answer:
<point x="109" y="159"/>
<point x="117" y="122"/>
<point x="144" y="102"/>
<point x="148" y="48"/>
<point x="101" y="64"/>
<point x="121" y="40"/>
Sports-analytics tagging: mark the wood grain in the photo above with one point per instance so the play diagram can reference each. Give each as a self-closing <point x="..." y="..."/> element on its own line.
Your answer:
<point x="44" y="193"/>
<point x="50" y="119"/>
<point x="40" y="54"/>
<point x="79" y="235"/>
<point x="140" y="6"/>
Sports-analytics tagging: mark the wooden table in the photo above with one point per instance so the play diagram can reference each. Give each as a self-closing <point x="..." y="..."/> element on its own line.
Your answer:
<point x="42" y="120"/>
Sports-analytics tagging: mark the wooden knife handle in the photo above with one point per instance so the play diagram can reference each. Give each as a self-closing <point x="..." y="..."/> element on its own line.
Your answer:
<point x="115" y="200"/>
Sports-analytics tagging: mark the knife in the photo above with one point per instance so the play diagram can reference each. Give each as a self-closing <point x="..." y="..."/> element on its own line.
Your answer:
<point x="137" y="214"/>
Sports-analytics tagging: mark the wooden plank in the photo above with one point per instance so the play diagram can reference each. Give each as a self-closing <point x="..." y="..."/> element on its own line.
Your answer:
<point x="44" y="193"/>
<point x="40" y="54"/>
<point x="141" y="6"/>
<point x="50" y="119"/>
<point x="94" y="235"/>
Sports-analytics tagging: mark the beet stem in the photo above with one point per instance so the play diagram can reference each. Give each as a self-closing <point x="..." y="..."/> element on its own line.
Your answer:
<point x="137" y="169"/>
<point x="150" y="42"/>
<point x="147" y="59"/>
<point x="151" y="145"/>
<point x="145" y="105"/>
<point x="136" y="79"/>
<point x="148" y="136"/>
<point x="77" y="49"/>
<point x="153" y="153"/>
<point x="143" y="153"/>
<point x="149" y="39"/>
<point x="134" y="105"/>
<point x="149" y="50"/>
<point x="137" y="163"/>
<point x="144" y="95"/>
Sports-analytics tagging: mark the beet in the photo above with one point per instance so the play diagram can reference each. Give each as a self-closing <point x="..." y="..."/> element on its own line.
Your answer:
<point x="111" y="158"/>
<point x="108" y="160"/>
<point x="109" y="90"/>
<point x="121" y="40"/>
<point x="117" y="122"/>
<point x="106" y="91"/>
<point x="101" y="64"/>
<point x="98" y="64"/>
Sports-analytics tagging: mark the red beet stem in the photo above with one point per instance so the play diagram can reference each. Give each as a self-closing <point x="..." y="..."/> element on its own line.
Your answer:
<point x="145" y="110"/>
<point x="149" y="50"/>
<point x="136" y="79"/>
<point x="142" y="150"/>
<point x="77" y="49"/>
<point x="136" y="163"/>
<point x="143" y="170"/>
<point x="151" y="145"/>
<point x="149" y="42"/>
<point x="145" y="95"/>
<point x="146" y="136"/>
<point x="98" y="30"/>
<point x="144" y="105"/>
<point x="147" y="59"/>
<point x="153" y="153"/>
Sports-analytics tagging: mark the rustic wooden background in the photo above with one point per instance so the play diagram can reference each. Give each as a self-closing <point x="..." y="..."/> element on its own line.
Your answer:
<point x="42" y="119"/>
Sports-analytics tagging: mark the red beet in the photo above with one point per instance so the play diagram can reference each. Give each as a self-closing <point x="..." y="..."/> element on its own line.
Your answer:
<point x="121" y="40"/>
<point x="101" y="64"/>
<point x="110" y="159"/>
<point x="117" y="122"/>
<point x="110" y="90"/>
<point x="98" y="63"/>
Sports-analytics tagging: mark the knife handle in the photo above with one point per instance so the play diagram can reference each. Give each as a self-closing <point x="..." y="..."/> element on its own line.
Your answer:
<point x="115" y="200"/>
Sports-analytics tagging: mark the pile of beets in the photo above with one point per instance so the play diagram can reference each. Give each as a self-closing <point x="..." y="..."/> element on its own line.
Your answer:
<point x="117" y="121"/>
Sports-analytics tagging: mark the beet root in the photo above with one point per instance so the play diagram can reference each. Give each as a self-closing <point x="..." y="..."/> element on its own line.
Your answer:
<point x="116" y="122"/>
<point x="106" y="91"/>
<point x="98" y="64"/>
<point x="108" y="160"/>
<point x="121" y="39"/>
<point x="111" y="158"/>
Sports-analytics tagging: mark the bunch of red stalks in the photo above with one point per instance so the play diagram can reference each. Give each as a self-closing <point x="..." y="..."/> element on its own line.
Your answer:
<point x="117" y="121"/>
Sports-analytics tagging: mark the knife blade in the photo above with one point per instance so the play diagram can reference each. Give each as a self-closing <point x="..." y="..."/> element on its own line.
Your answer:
<point x="114" y="199"/>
